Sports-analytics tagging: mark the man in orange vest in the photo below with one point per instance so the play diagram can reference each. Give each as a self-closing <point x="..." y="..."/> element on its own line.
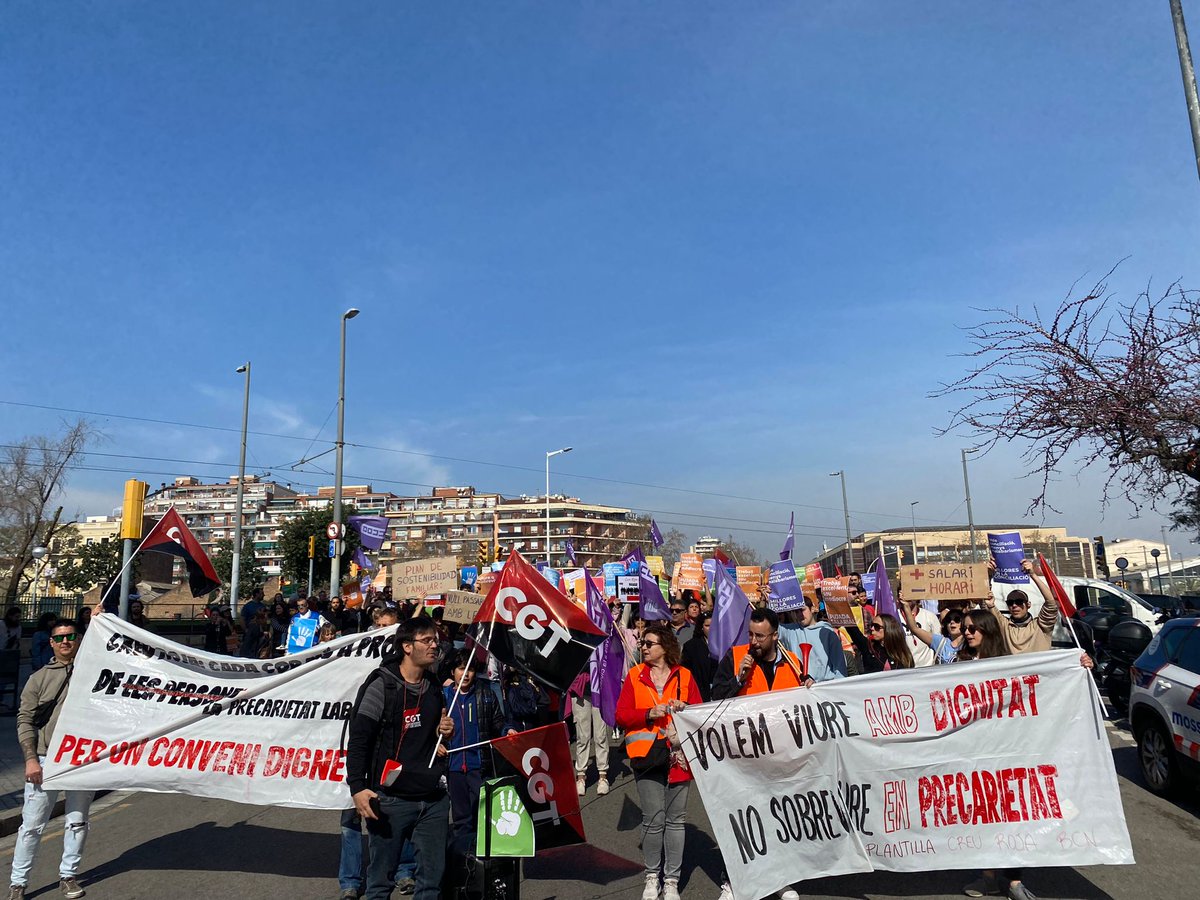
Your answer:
<point x="757" y="667"/>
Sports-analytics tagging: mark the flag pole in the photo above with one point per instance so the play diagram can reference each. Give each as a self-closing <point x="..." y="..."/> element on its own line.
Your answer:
<point x="458" y="690"/>
<point x="117" y="579"/>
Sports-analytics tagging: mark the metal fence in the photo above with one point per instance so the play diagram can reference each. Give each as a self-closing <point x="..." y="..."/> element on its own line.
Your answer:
<point x="65" y="606"/>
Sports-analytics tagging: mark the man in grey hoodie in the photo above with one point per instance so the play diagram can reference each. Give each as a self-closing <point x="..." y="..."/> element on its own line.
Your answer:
<point x="48" y="685"/>
<point x="826" y="659"/>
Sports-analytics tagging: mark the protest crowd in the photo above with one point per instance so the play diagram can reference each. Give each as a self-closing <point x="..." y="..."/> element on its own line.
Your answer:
<point x="422" y="738"/>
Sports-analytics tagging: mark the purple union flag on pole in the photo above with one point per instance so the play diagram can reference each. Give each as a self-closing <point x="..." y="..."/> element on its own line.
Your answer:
<point x="656" y="538"/>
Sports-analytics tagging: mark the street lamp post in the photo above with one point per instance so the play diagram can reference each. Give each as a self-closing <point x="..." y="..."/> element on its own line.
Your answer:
<point x="235" y="570"/>
<point x="38" y="554"/>
<point x="1156" y="553"/>
<point x="970" y="512"/>
<point x="550" y="453"/>
<point x="335" y="574"/>
<point x="846" y="511"/>
<point x="912" y="509"/>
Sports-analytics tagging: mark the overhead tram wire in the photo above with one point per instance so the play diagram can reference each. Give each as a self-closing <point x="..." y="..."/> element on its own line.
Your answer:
<point x="477" y="462"/>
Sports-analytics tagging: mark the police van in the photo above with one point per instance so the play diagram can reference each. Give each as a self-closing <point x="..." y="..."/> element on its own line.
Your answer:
<point x="1164" y="706"/>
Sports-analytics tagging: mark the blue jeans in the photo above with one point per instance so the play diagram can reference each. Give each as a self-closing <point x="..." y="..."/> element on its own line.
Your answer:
<point x="350" y="869"/>
<point x="425" y="824"/>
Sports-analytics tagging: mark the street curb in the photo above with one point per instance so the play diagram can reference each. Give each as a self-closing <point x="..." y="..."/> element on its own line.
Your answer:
<point x="10" y="819"/>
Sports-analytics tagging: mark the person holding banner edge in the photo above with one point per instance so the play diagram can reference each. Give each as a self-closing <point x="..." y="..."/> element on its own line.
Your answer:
<point x="41" y="701"/>
<point x="653" y="689"/>
<point x="396" y="787"/>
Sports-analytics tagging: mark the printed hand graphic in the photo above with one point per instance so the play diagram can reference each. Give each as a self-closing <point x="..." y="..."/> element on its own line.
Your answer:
<point x="510" y="813"/>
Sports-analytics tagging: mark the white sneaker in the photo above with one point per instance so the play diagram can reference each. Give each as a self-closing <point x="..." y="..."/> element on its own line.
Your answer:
<point x="789" y="894"/>
<point x="726" y="891"/>
<point x="670" y="889"/>
<point x="651" y="890"/>
<point x="602" y="786"/>
<point x="581" y="786"/>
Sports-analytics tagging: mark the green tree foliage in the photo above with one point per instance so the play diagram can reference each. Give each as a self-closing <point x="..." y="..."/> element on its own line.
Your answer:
<point x="250" y="573"/>
<point x="91" y="564"/>
<point x="293" y="545"/>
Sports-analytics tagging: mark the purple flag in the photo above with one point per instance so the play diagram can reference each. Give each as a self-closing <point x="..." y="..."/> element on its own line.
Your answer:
<point x="362" y="560"/>
<point x="731" y="615"/>
<point x="570" y="553"/>
<point x="608" y="660"/>
<point x="885" y="603"/>
<point x="656" y="538"/>
<point x="632" y="558"/>
<point x="372" y="530"/>
<point x="790" y="544"/>
<point x="651" y="605"/>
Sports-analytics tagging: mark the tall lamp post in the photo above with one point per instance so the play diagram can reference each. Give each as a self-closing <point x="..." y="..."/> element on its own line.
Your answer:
<point x="970" y="512"/>
<point x="335" y="574"/>
<point x="38" y="554"/>
<point x="235" y="570"/>
<point x="846" y="511"/>
<point x="912" y="509"/>
<point x="550" y="453"/>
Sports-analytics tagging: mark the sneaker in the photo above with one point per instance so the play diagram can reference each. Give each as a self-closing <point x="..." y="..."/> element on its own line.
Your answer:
<point x="406" y="885"/>
<point x="726" y="891"/>
<point x="670" y="889"/>
<point x="581" y="786"/>
<point x="16" y="892"/>
<point x="70" y="888"/>
<point x="789" y="894"/>
<point x="348" y="894"/>
<point x="602" y="786"/>
<point x="1018" y="891"/>
<point x="650" y="892"/>
<point x="983" y="886"/>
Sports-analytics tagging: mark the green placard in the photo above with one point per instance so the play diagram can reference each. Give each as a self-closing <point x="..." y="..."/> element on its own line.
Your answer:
<point x="507" y="822"/>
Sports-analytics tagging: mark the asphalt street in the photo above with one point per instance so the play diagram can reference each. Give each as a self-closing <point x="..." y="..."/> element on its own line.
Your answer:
<point x="167" y="845"/>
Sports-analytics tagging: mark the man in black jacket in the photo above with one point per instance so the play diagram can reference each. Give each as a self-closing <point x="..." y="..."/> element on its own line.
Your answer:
<point x="393" y="732"/>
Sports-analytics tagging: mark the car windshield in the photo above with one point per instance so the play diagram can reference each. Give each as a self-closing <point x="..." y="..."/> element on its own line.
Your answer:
<point x="1132" y="598"/>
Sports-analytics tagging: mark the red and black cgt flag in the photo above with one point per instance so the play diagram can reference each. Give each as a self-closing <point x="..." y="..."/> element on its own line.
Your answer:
<point x="171" y="535"/>
<point x="528" y="623"/>
<point x="546" y="783"/>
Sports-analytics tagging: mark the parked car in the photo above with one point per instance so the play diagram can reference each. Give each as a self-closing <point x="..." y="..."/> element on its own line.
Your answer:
<point x="1164" y="706"/>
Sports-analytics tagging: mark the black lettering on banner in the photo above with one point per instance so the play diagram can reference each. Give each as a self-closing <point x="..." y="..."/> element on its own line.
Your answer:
<point x="749" y="833"/>
<point x="743" y="738"/>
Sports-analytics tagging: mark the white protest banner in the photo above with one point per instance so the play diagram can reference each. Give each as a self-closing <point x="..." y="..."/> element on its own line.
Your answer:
<point x="989" y="764"/>
<point x="143" y="713"/>
<point x="422" y="577"/>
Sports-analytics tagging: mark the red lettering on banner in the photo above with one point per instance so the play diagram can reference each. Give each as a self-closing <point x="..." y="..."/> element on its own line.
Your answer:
<point x="891" y="715"/>
<point x="998" y="698"/>
<point x="1018" y="794"/>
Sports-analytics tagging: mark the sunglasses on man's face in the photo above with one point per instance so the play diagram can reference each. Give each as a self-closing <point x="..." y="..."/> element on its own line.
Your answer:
<point x="59" y="638"/>
<point x="677" y="609"/>
<point x="1012" y="603"/>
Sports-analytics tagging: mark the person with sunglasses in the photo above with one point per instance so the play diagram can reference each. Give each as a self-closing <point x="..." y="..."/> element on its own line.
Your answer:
<point x="884" y="647"/>
<point x="684" y="629"/>
<point x="1023" y="632"/>
<point x="653" y="690"/>
<point x="48" y="685"/>
<point x="947" y="643"/>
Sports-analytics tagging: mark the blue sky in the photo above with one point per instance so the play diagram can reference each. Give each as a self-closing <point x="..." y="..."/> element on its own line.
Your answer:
<point x="719" y="247"/>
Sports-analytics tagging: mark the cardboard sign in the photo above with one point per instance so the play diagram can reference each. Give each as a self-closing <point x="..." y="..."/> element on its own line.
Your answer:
<point x="691" y="573"/>
<point x="748" y="579"/>
<point x="421" y="577"/>
<point x="837" y="602"/>
<point x="656" y="565"/>
<point x="483" y="584"/>
<point x="461" y="606"/>
<point x="945" y="581"/>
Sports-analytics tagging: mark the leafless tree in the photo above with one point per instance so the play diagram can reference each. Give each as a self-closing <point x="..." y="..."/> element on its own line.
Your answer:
<point x="32" y="475"/>
<point x="1099" y="382"/>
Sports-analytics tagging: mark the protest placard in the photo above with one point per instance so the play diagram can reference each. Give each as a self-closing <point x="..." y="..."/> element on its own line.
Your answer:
<point x="144" y="713"/>
<point x="461" y="606"/>
<point x="691" y="572"/>
<point x="785" y="586"/>
<point x="421" y="577"/>
<point x="483" y="584"/>
<point x="656" y="565"/>
<point x="628" y="588"/>
<point x="1009" y="552"/>
<point x="836" y="597"/>
<point x="886" y="772"/>
<point x="945" y="581"/>
<point x="748" y="579"/>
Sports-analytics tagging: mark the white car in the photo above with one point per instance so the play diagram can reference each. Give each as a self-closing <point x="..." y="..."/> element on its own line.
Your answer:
<point x="1164" y="706"/>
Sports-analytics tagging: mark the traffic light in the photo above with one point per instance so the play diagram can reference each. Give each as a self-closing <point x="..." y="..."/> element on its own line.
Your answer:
<point x="1101" y="559"/>
<point x="483" y="554"/>
<point x="312" y="546"/>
